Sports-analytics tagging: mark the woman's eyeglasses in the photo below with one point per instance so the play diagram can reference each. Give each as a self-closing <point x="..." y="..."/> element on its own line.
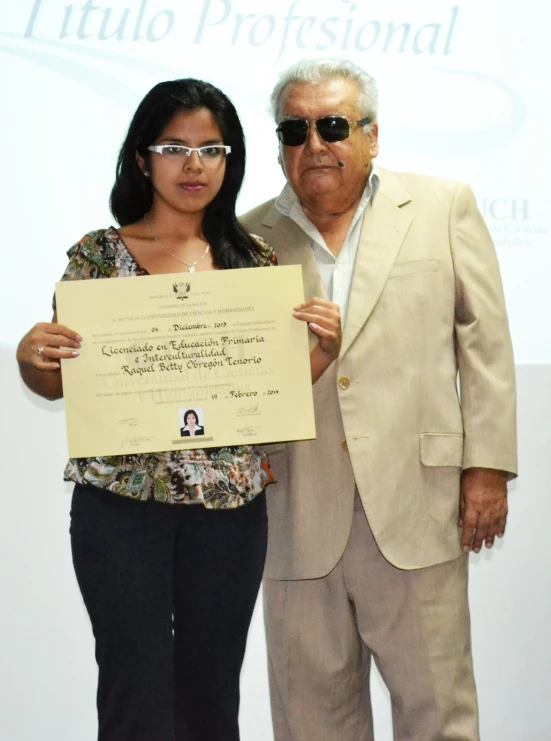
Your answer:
<point x="294" y="131"/>
<point x="179" y="153"/>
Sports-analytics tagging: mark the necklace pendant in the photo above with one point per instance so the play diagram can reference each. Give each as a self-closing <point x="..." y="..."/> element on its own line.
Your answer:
<point x="191" y="269"/>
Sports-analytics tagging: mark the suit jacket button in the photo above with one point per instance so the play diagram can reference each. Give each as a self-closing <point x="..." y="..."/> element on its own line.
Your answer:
<point x="344" y="445"/>
<point x="343" y="382"/>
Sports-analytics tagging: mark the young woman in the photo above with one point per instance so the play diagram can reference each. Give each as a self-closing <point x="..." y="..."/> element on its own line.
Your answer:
<point x="170" y="587"/>
<point x="191" y="424"/>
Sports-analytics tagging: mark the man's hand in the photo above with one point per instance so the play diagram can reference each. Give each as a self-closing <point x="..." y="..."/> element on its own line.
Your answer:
<point x="482" y="507"/>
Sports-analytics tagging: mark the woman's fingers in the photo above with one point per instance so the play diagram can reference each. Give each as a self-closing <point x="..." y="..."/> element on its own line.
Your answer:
<point x="319" y="307"/>
<point x="318" y="302"/>
<point x="46" y="365"/>
<point x="55" y="346"/>
<point x="320" y="331"/>
<point x="324" y="320"/>
<point x="57" y="353"/>
<point x="62" y="335"/>
<point x="320" y="312"/>
<point x="46" y="344"/>
<point x="53" y="335"/>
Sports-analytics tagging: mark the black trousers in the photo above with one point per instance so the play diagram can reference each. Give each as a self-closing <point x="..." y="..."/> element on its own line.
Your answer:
<point x="170" y="590"/>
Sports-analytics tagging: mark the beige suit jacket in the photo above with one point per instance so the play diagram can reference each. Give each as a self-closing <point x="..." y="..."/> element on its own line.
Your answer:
<point x="426" y="307"/>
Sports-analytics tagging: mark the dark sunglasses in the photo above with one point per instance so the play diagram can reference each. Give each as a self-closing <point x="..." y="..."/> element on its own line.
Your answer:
<point x="294" y="131"/>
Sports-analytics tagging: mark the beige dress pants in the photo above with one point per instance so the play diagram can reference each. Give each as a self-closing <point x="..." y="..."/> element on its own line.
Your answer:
<point x="322" y="634"/>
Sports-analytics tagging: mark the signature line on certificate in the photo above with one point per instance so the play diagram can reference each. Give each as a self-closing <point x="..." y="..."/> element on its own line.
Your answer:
<point x="249" y="431"/>
<point x="134" y="442"/>
<point x="248" y="410"/>
<point x="129" y="421"/>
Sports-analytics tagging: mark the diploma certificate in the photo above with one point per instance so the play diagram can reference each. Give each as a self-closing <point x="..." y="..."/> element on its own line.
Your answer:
<point x="182" y="361"/>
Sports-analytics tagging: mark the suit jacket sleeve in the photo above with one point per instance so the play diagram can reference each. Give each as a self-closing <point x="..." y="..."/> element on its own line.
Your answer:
<point x="483" y="342"/>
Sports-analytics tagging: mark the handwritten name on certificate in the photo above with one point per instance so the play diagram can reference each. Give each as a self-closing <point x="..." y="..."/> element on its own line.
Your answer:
<point x="185" y="361"/>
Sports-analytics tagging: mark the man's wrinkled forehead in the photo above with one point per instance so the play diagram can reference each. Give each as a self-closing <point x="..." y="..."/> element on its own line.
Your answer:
<point x="314" y="100"/>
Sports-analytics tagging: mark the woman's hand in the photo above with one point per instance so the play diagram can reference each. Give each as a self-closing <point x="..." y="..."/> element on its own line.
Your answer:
<point x="46" y="344"/>
<point x="324" y="320"/>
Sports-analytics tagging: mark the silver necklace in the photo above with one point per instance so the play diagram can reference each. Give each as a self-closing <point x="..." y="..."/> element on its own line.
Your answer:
<point x="190" y="268"/>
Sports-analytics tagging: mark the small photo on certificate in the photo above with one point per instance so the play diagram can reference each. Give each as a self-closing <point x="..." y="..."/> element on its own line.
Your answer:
<point x="192" y="421"/>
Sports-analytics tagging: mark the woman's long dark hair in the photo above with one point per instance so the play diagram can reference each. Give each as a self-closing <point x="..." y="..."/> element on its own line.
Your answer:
<point x="191" y="411"/>
<point x="132" y="194"/>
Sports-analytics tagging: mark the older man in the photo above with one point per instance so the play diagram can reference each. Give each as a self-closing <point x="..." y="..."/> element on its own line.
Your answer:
<point x="366" y="558"/>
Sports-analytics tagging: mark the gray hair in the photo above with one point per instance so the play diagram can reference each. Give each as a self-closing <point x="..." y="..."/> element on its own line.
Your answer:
<point x="316" y="71"/>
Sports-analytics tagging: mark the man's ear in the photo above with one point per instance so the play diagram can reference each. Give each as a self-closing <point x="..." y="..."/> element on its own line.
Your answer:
<point x="374" y="138"/>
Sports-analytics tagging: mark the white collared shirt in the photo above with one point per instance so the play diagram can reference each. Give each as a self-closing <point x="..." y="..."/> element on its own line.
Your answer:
<point x="194" y="431"/>
<point x="336" y="272"/>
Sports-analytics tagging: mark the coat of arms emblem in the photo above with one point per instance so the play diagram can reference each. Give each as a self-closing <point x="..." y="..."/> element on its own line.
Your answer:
<point x="181" y="290"/>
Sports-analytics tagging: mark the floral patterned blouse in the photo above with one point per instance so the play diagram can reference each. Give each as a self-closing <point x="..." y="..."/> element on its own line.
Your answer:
<point x="218" y="478"/>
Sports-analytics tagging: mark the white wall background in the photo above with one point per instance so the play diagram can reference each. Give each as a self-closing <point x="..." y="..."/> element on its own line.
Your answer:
<point x="464" y="94"/>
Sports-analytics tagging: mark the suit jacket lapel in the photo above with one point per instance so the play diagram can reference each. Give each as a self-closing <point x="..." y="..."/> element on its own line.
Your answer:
<point x="384" y="229"/>
<point x="293" y="248"/>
